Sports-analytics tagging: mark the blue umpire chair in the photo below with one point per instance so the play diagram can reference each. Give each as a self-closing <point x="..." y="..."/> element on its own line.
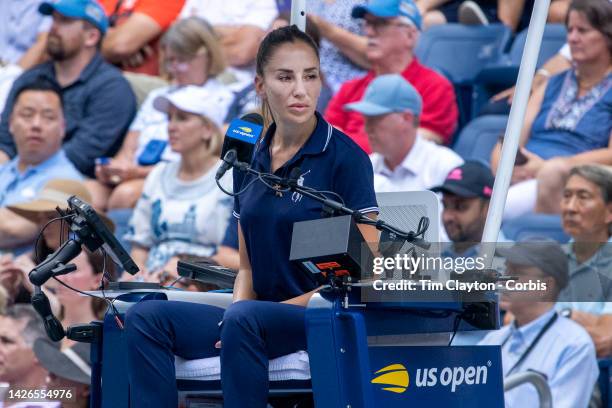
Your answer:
<point x="351" y="361"/>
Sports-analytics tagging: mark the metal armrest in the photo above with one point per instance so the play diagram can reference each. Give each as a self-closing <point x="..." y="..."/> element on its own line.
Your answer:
<point x="538" y="381"/>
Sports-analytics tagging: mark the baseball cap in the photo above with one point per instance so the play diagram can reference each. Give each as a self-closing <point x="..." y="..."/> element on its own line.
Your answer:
<point x="88" y="10"/>
<point x="390" y="9"/>
<point x="388" y="93"/>
<point x="543" y="253"/>
<point x="72" y="363"/>
<point x="471" y="179"/>
<point x="197" y="100"/>
<point x="56" y="194"/>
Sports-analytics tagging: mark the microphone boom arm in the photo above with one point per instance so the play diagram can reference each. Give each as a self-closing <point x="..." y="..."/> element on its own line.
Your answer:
<point x="336" y="206"/>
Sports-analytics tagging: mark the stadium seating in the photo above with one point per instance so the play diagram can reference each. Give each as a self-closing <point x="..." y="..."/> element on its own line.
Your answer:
<point x="502" y="73"/>
<point x="462" y="51"/>
<point x="477" y="139"/>
<point x="555" y="35"/>
<point x="459" y="52"/>
<point x="533" y="226"/>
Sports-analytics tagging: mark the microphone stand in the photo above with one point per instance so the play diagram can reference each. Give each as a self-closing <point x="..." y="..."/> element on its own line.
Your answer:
<point x="394" y="234"/>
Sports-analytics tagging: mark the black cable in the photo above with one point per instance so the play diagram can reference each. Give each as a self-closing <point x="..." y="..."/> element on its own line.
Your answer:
<point x="78" y="291"/>
<point x="175" y="281"/>
<point x="112" y="307"/>
<point x="456" y="324"/>
<point x="41" y="234"/>
<point x="262" y="177"/>
<point x="239" y="192"/>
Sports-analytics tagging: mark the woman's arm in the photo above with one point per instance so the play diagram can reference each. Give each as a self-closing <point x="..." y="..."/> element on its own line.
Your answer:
<point x="600" y="329"/>
<point x="599" y="156"/>
<point x="351" y="45"/>
<point x="129" y="146"/>
<point x="243" y="285"/>
<point x="533" y="108"/>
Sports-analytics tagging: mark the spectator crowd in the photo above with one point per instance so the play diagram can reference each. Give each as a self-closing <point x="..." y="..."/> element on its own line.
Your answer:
<point x="124" y="104"/>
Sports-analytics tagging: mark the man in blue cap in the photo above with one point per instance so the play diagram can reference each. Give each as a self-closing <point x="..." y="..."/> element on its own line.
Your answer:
<point x="99" y="103"/>
<point x="392" y="28"/>
<point x="403" y="160"/>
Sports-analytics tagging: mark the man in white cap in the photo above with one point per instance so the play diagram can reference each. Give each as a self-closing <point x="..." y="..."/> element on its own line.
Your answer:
<point x="403" y="160"/>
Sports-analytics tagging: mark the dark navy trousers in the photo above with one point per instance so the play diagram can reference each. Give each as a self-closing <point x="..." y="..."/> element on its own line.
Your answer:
<point x="252" y="332"/>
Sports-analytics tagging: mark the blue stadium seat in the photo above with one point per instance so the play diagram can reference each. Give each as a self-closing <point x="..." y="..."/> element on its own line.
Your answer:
<point x="555" y="35"/>
<point x="535" y="225"/>
<point x="477" y="139"/>
<point x="461" y="51"/>
<point x="502" y="74"/>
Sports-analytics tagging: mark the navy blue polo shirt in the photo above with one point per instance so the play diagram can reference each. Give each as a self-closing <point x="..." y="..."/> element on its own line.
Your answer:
<point x="329" y="160"/>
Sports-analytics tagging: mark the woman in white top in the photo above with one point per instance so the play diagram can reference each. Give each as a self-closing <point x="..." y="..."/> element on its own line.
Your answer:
<point x="192" y="55"/>
<point x="181" y="210"/>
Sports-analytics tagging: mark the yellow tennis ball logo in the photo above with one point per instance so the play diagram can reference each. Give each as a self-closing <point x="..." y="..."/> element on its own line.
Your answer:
<point x="245" y="129"/>
<point x="394" y="375"/>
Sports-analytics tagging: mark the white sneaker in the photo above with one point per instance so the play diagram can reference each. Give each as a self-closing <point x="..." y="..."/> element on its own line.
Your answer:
<point x="470" y="13"/>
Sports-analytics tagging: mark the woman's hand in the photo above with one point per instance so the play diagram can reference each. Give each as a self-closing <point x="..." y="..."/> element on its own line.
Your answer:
<point x="116" y="172"/>
<point x="505" y="94"/>
<point x="528" y="170"/>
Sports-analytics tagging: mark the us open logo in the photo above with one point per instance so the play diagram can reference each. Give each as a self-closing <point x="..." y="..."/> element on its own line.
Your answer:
<point x="395" y="377"/>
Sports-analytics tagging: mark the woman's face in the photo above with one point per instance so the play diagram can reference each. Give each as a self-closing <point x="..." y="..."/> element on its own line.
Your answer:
<point x="187" y="70"/>
<point x="186" y="131"/>
<point x="291" y="83"/>
<point x="586" y="43"/>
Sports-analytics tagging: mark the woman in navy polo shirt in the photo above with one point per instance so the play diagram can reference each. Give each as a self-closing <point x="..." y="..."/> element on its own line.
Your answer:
<point x="266" y="319"/>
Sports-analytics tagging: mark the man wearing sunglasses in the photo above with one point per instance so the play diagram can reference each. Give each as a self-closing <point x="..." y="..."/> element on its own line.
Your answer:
<point x="392" y="28"/>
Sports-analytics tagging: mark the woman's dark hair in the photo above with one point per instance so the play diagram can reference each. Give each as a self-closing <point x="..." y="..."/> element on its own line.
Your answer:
<point x="278" y="37"/>
<point x="599" y="15"/>
<point x="41" y="84"/>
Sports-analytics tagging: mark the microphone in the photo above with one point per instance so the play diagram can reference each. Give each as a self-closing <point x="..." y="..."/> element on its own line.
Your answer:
<point x="241" y="137"/>
<point x="53" y="327"/>
<point x="228" y="161"/>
